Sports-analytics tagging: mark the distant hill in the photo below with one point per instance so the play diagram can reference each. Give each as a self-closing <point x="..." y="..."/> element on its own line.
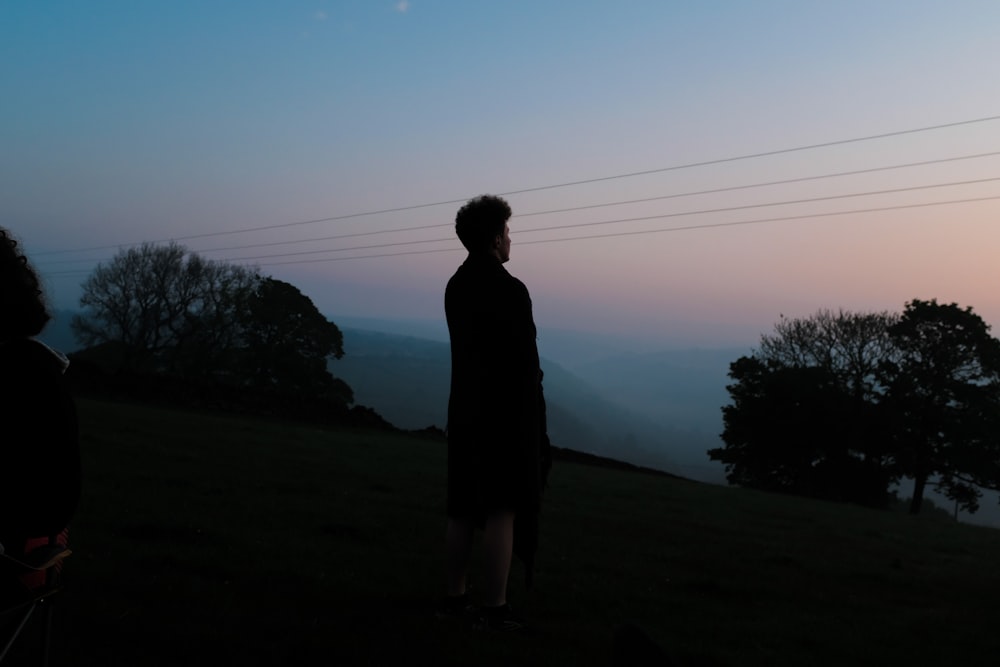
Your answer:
<point x="406" y="379"/>
<point x="682" y="388"/>
<point x="402" y="377"/>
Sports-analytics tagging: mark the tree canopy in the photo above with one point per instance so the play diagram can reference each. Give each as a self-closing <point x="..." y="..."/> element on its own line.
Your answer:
<point x="842" y="405"/>
<point x="803" y="419"/>
<point x="942" y="394"/>
<point x="287" y="341"/>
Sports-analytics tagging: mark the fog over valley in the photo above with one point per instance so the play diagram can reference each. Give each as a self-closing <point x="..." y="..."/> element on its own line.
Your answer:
<point x="606" y="395"/>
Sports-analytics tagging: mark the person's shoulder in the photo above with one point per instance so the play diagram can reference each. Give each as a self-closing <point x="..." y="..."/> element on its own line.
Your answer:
<point x="460" y="276"/>
<point x="517" y="284"/>
<point x="474" y="270"/>
<point x="515" y="280"/>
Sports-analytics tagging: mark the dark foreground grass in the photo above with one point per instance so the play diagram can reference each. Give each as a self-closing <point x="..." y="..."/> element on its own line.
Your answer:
<point x="215" y="540"/>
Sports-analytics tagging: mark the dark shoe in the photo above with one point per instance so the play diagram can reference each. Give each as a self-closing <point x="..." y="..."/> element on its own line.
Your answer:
<point x="500" y="619"/>
<point x="455" y="606"/>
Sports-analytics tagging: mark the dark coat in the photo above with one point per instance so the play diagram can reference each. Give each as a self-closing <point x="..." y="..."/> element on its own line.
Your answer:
<point x="39" y="447"/>
<point x="495" y="412"/>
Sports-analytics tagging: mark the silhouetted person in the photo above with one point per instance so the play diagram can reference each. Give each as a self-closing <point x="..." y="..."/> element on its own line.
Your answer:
<point x="496" y="466"/>
<point x="39" y="449"/>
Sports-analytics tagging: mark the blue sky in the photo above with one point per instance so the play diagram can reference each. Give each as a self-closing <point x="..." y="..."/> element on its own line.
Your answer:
<point x="124" y="122"/>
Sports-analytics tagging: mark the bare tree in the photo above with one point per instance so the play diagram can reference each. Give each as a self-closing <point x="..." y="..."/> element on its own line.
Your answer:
<point x="158" y="302"/>
<point x="850" y="345"/>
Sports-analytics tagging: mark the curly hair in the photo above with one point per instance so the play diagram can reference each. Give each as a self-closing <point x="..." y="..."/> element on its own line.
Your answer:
<point x="23" y="311"/>
<point x="480" y="221"/>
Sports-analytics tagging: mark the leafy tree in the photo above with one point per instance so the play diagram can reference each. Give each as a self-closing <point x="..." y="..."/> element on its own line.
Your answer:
<point x="841" y="405"/>
<point x="287" y="342"/>
<point x="805" y="417"/>
<point x="943" y="394"/>
<point x="771" y="427"/>
<point x="790" y="430"/>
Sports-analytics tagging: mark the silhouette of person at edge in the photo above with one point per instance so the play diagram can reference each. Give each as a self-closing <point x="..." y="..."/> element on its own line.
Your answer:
<point x="498" y="453"/>
<point x="39" y="447"/>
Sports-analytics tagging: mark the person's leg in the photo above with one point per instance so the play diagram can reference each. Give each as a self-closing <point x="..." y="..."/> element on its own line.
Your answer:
<point x="498" y="548"/>
<point x="459" y="545"/>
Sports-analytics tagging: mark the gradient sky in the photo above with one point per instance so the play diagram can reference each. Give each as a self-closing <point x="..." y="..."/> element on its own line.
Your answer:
<point x="125" y="121"/>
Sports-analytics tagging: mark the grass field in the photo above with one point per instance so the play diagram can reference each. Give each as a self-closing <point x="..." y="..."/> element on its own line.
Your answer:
<point x="218" y="540"/>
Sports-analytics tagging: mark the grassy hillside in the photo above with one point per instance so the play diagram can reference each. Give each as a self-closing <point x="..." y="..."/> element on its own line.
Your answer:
<point x="208" y="540"/>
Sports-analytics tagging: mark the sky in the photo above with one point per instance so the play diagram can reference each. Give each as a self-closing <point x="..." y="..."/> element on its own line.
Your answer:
<point x="680" y="172"/>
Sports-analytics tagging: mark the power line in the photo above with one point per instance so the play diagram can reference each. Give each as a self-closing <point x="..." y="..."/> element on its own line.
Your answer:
<point x="725" y="209"/>
<point x="714" y="225"/>
<point x="729" y="209"/>
<point x="616" y="234"/>
<point x="660" y="216"/>
<point x="633" y="174"/>
<point x="665" y="229"/>
<point x="734" y="188"/>
<point x="750" y="156"/>
<point x="602" y="205"/>
<point x="787" y="181"/>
